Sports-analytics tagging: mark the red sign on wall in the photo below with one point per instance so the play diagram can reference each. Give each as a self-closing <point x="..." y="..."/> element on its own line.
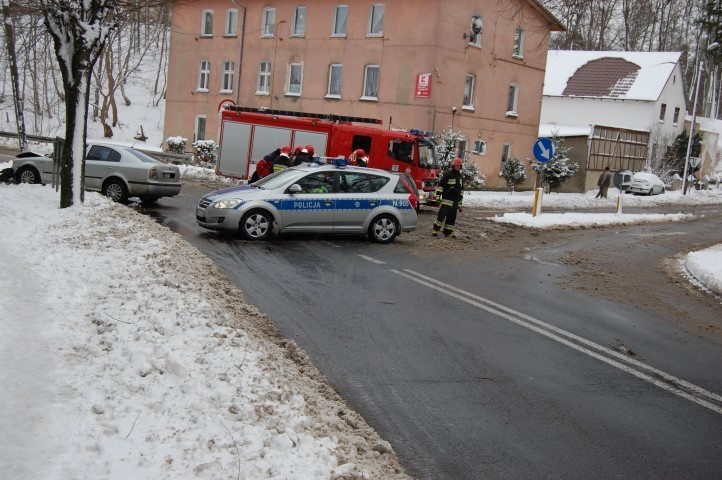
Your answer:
<point x="423" y="85"/>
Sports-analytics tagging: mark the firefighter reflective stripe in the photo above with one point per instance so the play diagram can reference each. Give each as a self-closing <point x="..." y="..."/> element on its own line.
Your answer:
<point x="278" y="167"/>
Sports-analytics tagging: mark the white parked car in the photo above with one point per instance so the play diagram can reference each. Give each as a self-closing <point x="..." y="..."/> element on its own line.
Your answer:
<point x="116" y="171"/>
<point x="644" y="183"/>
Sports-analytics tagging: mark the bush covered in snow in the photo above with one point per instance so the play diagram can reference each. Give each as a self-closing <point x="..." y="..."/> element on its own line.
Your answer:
<point x="514" y="171"/>
<point x="176" y="144"/>
<point x="206" y="152"/>
<point x="556" y="171"/>
<point x="447" y="150"/>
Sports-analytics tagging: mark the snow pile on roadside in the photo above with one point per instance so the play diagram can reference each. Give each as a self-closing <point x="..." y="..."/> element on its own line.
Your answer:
<point x="580" y="220"/>
<point x="705" y="268"/>
<point x="199" y="173"/>
<point x="157" y="366"/>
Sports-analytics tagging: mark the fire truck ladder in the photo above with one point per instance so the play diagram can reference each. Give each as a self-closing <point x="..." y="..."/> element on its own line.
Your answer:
<point x="321" y="116"/>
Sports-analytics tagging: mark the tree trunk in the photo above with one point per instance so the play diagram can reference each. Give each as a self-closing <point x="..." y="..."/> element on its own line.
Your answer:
<point x="17" y="97"/>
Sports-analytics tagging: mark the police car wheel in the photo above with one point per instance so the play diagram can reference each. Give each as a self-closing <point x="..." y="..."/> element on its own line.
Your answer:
<point x="383" y="229"/>
<point x="257" y="225"/>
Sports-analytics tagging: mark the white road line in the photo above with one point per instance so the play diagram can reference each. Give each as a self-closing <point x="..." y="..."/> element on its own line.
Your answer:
<point x="660" y="234"/>
<point x="657" y="377"/>
<point x="372" y="260"/>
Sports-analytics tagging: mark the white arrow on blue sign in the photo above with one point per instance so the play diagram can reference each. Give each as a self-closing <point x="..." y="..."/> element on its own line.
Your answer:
<point x="543" y="149"/>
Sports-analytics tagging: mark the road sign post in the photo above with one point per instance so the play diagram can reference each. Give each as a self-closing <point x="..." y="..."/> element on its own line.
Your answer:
<point x="543" y="152"/>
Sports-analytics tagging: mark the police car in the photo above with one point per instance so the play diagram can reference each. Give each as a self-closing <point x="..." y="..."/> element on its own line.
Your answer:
<point x="317" y="198"/>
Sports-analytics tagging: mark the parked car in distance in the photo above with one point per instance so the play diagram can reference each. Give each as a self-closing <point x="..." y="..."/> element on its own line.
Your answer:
<point x="315" y="198"/>
<point x="644" y="183"/>
<point x="118" y="172"/>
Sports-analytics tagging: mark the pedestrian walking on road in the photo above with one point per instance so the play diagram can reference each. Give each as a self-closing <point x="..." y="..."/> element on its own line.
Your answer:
<point x="605" y="180"/>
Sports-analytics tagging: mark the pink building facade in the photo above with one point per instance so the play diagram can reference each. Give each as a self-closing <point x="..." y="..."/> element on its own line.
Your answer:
<point x="474" y="66"/>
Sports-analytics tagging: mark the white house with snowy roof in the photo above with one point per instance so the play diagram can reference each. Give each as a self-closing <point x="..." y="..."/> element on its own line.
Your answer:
<point x="640" y="91"/>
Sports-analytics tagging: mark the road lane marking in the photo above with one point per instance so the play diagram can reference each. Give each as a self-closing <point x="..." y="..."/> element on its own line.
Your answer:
<point x="659" y="234"/>
<point x="372" y="260"/>
<point x="652" y="375"/>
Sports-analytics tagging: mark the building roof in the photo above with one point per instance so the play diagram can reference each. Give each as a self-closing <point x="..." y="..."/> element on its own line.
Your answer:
<point x="618" y="75"/>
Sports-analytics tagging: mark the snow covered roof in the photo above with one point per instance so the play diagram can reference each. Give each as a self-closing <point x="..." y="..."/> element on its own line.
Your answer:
<point x="619" y="75"/>
<point x="552" y="129"/>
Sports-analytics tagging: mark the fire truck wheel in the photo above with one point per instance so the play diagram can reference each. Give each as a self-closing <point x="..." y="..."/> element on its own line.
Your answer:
<point x="383" y="229"/>
<point x="257" y="225"/>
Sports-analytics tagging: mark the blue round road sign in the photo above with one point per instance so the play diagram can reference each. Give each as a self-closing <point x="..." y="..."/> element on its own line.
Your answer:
<point x="543" y="149"/>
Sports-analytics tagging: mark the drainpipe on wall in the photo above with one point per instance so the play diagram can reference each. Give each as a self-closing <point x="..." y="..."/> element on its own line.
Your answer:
<point x="240" y="53"/>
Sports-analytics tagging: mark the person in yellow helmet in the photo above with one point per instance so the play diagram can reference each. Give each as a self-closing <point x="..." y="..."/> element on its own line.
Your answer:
<point x="451" y="193"/>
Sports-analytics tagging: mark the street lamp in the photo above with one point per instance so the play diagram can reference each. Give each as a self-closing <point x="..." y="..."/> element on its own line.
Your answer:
<point x="453" y="114"/>
<point x="240" y="52"/>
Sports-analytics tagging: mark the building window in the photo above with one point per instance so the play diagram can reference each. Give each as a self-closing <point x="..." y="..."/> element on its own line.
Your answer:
<point x="480" y="147"/>
<point x="231" y="22"/>
<point x="299" y="22"/>
<point x="519" y="43"/>
<point x="227" y="77"/>
<point x="204" y="74"/>
<point x="505" y="152"/>
<point x="340" y="20"/>
<point x="468" y="92"/>
<point x="676" y="116"/>
<point x="371" y="83"/>
<point x="335" y="73"/>
<point x="200" y="130"/>
<point x="268" y="27"/>
<point x="476" y="31"/>
<point x="662" y="112"/>
<point x="207" y="25"/>
<point x="513" y="100"/>
<point x="295" y="78"/>
<point x="263" y="87"/>
<point x="376" y="20"/>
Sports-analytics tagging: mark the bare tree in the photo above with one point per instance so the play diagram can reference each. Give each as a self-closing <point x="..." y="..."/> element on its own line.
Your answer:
<point x="18" y="98"/>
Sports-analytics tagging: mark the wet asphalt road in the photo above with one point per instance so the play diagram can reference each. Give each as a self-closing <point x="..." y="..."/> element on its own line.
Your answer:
<point x="510" y="376"/>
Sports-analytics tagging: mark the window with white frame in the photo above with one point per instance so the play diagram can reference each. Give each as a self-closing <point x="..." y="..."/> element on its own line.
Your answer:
<point x="480" y="147"/>
<point x="200" y="130"/>
<point x="371" y="83"/>
<point x="207" y="25"/>
<point x="204" y="75"/>
<point x="294" y="79"/>
<point x="513" y="100"/>
<point x="231" y="22"/>
<point x="519" y="43"/>
<point x="263" y="85"/>
<point x="268" y="25"/>
<point x="335" y="72"/>
<point x="468" y="92"/>
<point x="298" y="27"/>
<point x="227" y="77"/>
<point x="476" y="31"/>
<point x="505" y="152"/>
<point x="340" y="20"/>
<point x="376" y="20"/>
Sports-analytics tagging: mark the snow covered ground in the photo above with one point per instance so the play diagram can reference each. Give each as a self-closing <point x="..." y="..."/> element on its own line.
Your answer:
<point x="124" y="353"/>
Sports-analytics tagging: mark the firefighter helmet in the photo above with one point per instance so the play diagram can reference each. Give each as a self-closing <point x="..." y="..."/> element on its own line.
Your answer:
<point x="297" y="150"/>
<point x="360" y="152"/>
<point x="310" y="150"/>
<point x="286" y="149"/>
<point x="457" y="161"/>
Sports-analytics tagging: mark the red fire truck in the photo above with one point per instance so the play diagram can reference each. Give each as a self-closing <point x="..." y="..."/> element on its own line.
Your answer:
<point x="248" y="134"/>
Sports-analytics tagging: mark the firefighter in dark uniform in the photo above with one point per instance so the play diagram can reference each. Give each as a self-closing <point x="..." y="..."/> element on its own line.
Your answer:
<point x="283" y="160"/>
<point x="451" y="193"/>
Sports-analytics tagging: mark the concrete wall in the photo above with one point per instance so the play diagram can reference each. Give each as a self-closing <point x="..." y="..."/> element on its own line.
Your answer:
<point x="419" y="37"/>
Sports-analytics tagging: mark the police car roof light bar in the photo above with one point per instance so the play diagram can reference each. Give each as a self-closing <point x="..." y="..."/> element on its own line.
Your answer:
<point x="288" y="113"/>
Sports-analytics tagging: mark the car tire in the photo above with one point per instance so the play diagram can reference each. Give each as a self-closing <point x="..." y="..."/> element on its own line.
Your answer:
<point x="256" y="225"/>
<point x="27" y="175"/>
<point x="116" y="190"/>
<point x="383" y="229"/>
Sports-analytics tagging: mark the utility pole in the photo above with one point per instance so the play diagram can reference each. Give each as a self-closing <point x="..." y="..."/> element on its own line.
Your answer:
<point x="691" y="129"/>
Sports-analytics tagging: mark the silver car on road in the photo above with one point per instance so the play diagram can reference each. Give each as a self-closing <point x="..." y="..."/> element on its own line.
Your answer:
<point x="116" y="171"/>
<point x="315" y="198"/>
